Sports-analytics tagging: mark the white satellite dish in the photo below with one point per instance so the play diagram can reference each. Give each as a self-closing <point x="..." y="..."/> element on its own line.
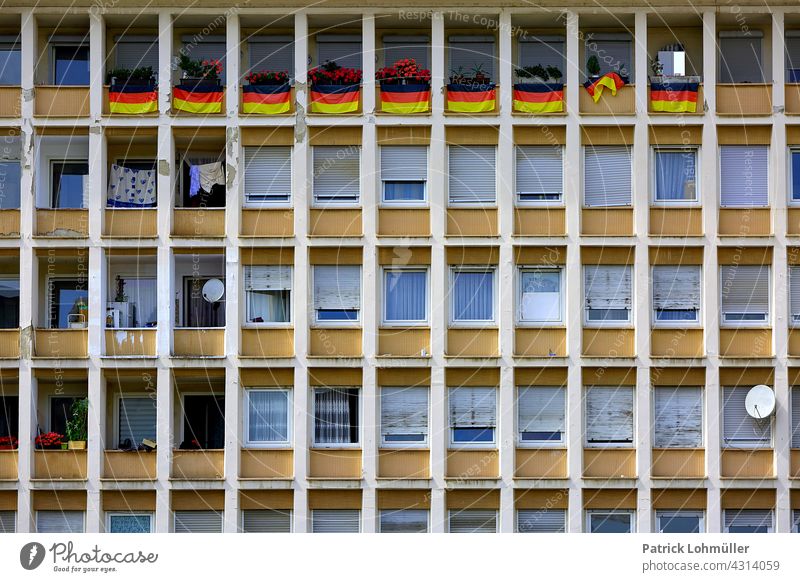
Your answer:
<point x="213" y="290"/>
<point x="760" y="402"/>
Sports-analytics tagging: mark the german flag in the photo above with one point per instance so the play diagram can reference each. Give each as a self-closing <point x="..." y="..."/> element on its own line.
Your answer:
<point x="674" y="97"/>
<point x="471" y="98"/>
<point x="133" y="99"/>
<point x="611" y="80"/>
<point x="197" y="98"/>
<point x="334" y="98"/>
<point x="266" y="99"/>
<point x="539" y="97"/>
<point x="405" y="98"/>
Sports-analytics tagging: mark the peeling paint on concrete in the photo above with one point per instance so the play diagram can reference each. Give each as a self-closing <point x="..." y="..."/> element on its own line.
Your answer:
<point x="28" y="94"/>
<point x="96" y="129"/>
<point x="163" y="168"/>
<point x="230" y="176"/>
<point x="26" y="342"/>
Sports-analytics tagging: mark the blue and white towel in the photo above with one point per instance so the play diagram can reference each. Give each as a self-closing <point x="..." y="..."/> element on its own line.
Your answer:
<point x="129" y="188"/>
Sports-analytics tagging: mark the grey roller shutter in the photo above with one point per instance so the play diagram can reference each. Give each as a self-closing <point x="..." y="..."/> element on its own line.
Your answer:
<point x="404" y="520"/>
<point x="343" y="49"/>
<point x="744" y="176"/>
<point x="748" y="518"/>
<point x="676" y="287"/>
<point x="56" y="521"/>
<point x="404" y="410"/>
<point x="544" y="51"/>
<point x="335" y="521"/>
<point x="337" y="287"/>
<point x="794" y="294"/>
<point x="266" y="521"/>
<point x="137" y="419"/>
<point x="273" y="53"/>
<point x="609" y="415"/>
<point x="472" y="171"/>
<point x="739" y="429"/>
<point x="606" y="176"/>
<point x="397" y="47"/>
<point x="539" y="172"/>
<point x="8" y="521"/>
<point x="466" y="54"/>
<point x="792" y="40"/>
<point x="404" y="163"/>
<point x="607" y="286"/>
<point x="337" y="173"/>
<point x="541" y="521"/>
<point x="473" y="407"/>
<point x="198" y="521"/>
<point x="678" y="417"/>
<point x="541" y="409"/>
<point x="267" y="278"/>
<point x="136" y="51"/>
<point x="614" y="52"/>
<point x="473" y="521"/>
<point x="267" y="174"/>
<point x="745" y="289"/>
<point x="740" y="58"/>
<point x="795" y="418"/>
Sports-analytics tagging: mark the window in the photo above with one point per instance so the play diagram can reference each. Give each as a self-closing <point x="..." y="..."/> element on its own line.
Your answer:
<point x="271" y="52"/>
<point x="404" y="416"/>
<point x="541" y="521"/>
<point x="541" y="415"/>
<point x="60" y="411"/>
<point x="9" y="303"/>
<point x="748" y="521"/>
<point x="745" y="294"/>
<point x="397" y="47"/>
<point x="471" y="54"/>
<point x="336" y="174"/>
<point x="57" y="521"/>
<point x="796" y="521"/>
<point x="472" y="521"/>
<point x="739" y="429"/>
<point x="70" y="64"/>
<point x="675" y="175"/>
<point x="794" y="170"/>
<point x="614" y="52"/>
<point x="10" y="61"/>
<point x="335" y="521"/>
<point x="211" y="191"/>
<point x="135" y="51"/>
<point x="336" y="416"/>
<point x="140" y="309"/>
<point x="473" y="416"/>
<point x="405" y="294"/>
<point x="676" y="294"/>
<point x="679" y="522"/>
<point x="204" y="421"/>
<point x="404" y="174"/>
<point x="8" y="521"/>
<point x="198" y="521"/>
<point x="606" y="176"/>
<point x="540" y="299"/>
<point x="546" y="51"/>
<point x="795" y="418"/>
<point x="794" y="296"/>
<point x="9" y="416"/>
<point x="472" y="295"/>
<point x="267" y="175"/>
<point x="607" y="293"/>
<point x="744" y="176"/>
<point x="404" y="521"/>
<point x="137" y="420"/>
<point x="678" y="417"/>
<point x="472" y="174"/>
<point x="609" y="416"/>
<point x="129" y="523"/>
<point x="344" y="49"/>
<point x="267" y="420"/>
<point x="70" y="183"/>
<point x="10" y="170"/>
<point x="740" y="57"/>
<point x="337" y="293"/>
<point x="268" y="293"/>
<point x="266" y="521"/>
<point x="540" y="173"/>
<point x="612" y="521"/>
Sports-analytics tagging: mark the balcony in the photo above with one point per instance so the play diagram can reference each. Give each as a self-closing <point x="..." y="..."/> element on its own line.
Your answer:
<point x="61" y="101"/>
<point x="204" y="464"/>
<point x="678" y="464"/>
<point x="199" y="283"/>
<point x="9" y="223"/>
<point x="473" y="464"/>
<point x="267" y="222"/>
<point x="745" y="343"/>
<point x="61" y="343"/>
<point x="198" y="223"/>
<point x="60" y="465"/>
<point x="266" y="464"/>
<point x="9" y="343"/>
<point x="127" y="343"/>
<point x="408" y="342"/>
<point x="267" y="342"/>
<point x="198" y="343"/>
<point x="472" y="222"/>
<point x="744" y="70"/>
<point x="129" y="465"/>
<point x="747" y="464"/>
<point x="741" y="222"/>
<point x="337" y="222"/>
<point x="335" y="464"/>
<point x="676" y="221"/>
<point x="624" y="103"/>
<point x="8" y="465"/>
<point x="404" y="464"/>
<point x="609" y="463"/>
<point x="130" y="223"/>
<point x="540" y="464"/>
<point x="744" y="100"/>
<point x="10" y="101"/>
<point x="607" y="221"/>
<point x="62" y="222"/>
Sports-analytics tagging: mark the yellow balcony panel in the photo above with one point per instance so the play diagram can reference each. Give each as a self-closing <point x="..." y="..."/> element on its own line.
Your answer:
<point x="747" y="464"/>
<point x="197" y="342"/>
<point x="745" y="222"/>
<point x="404" y="222"/>
<point x="472" y="222"/>
<point x="609" y="463"/>
<point x="199" y="222"/>
<point x="473" y="464"/>
<point x="679" y="463"/>
<point x="744" y="99"/>
<point x="541" y="464"/>
<point x="540" y="221"/>
<point x="624" y="103"/>
<point x="131" y="342"/>
<point x="404" y="463"/>
<point x="54" y="101"/>
<point x="335" y="343"/>
<point x="699" y="110"/>
<point x="59" y="464"/>
<point x="676" y="343"/>
<point x="61" y="343"/>
<point x="267" y="342"/>
<point x="676" y="221"/>
<point x="9" y="343"/>
<point x="8" y="465"/>
<point x="540" y="342"/>
<point x="607" y="221"/>
<point x="794" y="464"/>
<point x="793" y="221"/>
<point x="335" y="222"/>
<point x="267" y="222"/>
<point x="129" y="465"/>
<point x="266" y="464"/>
<point x="609" y="343"/>
<point x="745" y="343"/>
<point x="792" y="96"/>
<point x="130" y="223"/>
<point x="10" y="102"/>
<point x="794" y="342"/>
<point x="9" y="223"/>
<point x="473" y="343"/>
<point x="198" y="464"/>
<point x="62" y="222"/>
<point x="404" y="342"/>
<point x="335" y="463"/>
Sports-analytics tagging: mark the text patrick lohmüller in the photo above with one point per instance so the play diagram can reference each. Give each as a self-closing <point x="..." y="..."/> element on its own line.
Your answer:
<point x="724" y="548"/>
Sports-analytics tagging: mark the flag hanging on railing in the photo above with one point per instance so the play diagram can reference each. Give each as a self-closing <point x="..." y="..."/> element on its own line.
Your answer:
<point x="201" y="99"/>
<point x="133" y="99"/>
<point x="335" y="98"/>
<point x="674" y="96"/>
<point x="401" y="99"/>
<point x="478" y="98"/>
<point x="266" y="99"/>
<point x="611" y="80"/>
<point x="539" y="97"/>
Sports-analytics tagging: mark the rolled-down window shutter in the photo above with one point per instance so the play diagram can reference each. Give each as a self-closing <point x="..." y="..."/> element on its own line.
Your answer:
<point x="544" y="52"/>
<point x="337" y="287"/>
<point x="740" y="59"/>
<point x="472" y="172"/>
<point x="539" y="173"/>
<point x="542" y="409"/>
<point x="473" y="407"/>
<point x="607" y="176"/>
<point x="267" y="278"/>
<point x="57" y="521"/>
<point x="8" y="521"/>
<point x="404" y="411"/>
<point x="468" y="54"/>
<point x="267" y="174"/>
<point x="541" y="521"/>
<point x="336" y="173"/>
<point x="745" y="290"/>
<point x="398" y="47"/>
<point x="404" y="520"/>
<point x="739" y="429"/>
<point x="796" y="418"/>
<point x="273" y="53"/>
<point x="609" y="415"/>
<point x="212" y="48"/>
<point x="335" y="521"/>
<point x="792" y="42"/>
<point x="201" y="521"/>
<point x="404" y="163"/>
<point x="607" y="286"/>
<point x="794" y="294"/>
<point x="473" y="521"/>
<point x="614" y="55"/>
<point x="676" y="287"/>
<point x="678" y="417"/>
<point x="266" y="521"/>
<point x="135" y="52"/>
<point x="744" y="175"/>
<point x="343" y="49"/>
<point x="748" y="518"/>
<point x="137" y="419"/>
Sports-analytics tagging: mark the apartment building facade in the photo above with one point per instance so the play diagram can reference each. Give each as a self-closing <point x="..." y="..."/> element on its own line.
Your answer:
<point x="371" y="320"/>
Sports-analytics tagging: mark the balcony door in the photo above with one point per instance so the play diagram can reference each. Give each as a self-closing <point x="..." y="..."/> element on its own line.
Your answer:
<point x="198" y="311"/>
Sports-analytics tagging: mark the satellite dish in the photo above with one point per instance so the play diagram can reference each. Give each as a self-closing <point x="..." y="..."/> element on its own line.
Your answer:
<point x="213" y="290"/>
<point x="760" y="402"/>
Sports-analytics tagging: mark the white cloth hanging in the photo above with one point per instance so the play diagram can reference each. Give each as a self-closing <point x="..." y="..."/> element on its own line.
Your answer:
<point x="128" y="188"/>
<point x="209" y="176"/>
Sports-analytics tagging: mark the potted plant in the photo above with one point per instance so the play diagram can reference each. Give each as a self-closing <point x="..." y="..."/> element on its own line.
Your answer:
<point x="8" y="443"/>
<point x="593" y="67"/>
<point x="535" y="73"/>
<point x="332" y="74"/>
<point x="404" y="72"/>
<point x="49" y="440"/>
<point x="200" y="72"/>
<point x="77" y="431"/>
<point x="267" y="77"/>
<point x="134" y="77"/>
<point x="334" y="89"/>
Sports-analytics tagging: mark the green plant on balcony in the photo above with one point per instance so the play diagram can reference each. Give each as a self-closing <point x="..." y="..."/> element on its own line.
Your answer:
<point x="540" y="73"/>
<point x="137" y="76"/>
<point x="593" y="66"/>
<point x="200" y="70"/>
<point x="77" y="429"/>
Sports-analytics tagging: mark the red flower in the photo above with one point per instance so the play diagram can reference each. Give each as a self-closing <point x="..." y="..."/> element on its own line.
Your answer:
<point x="49" y="439"/>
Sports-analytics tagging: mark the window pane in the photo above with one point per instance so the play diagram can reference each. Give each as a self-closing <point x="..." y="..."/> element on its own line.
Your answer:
<point x="473" y="435"/>
<point x="541" y="296"/>
<point x="678" y="522"/>
<point x="610" y="523"/>
<point x="268" y="416"/>
<point x="404" y="521"/>
<point x="142" y="293"/>
<point x="404" y="191"/>
<point x="676" y="315"/>
<point x="71" y="65"/>
<point x="70" y="184"/>
<point x="129" y="524"/>
<point x="473" y="296"/>
<point x="675" y="175"/>
<point x="269" y="306"/>
<point x="796" y="175"/>
<point x="337" y="315"/>
<point x="10" y="176"/>
<point x="70" y="303"/>
<point x="9" y="303"/>
<point x="11" y="66"/>
<point x="336" y="416"/>
<point x="405" y="295"/>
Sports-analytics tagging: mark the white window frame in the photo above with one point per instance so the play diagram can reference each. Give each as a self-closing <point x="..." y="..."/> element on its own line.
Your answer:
<point x="315" y="203"/>
<point x="286" y="204"/>
<point x="149" y="514"/>
<point x="338" y="322"/>
<point x="246" y="324"/>
<point x="472" y="323"/>
<point x="118" y="396"/>
<point x="584" y="149"/>
<point x="51" y="163"/>
<point x="654" y="201"/>
<point x="522" y="444"/>
<point x="558" y="203"/>
<point x="726" y="528"/>
<point x="246" y="419"/>
<point x="423" y="444"/>
<point x="424" y="203"/>
<point x="767" y="322"/>
<point x="53" y="44"/>
<point x="791" y="201"/>
<point x="561" y="280"/>
<point x="698" y="513"/>
<point x="401" y="322"/>
<point x="684" y="323"/>
<point x="357" y="445"/>
<point x="485" y="445"/>
<point x="617" y="323"/>
<point x="590" y="513"/>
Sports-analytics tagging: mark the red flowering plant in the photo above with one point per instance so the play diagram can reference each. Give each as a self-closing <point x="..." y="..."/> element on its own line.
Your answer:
<point x="209" y="69"/>
<point x="267" y="77"/>
<point x="48" y="440"/>
<point x="332" y="74"/>
<point x="8" y="443"/>
<point x="403" y="72"/>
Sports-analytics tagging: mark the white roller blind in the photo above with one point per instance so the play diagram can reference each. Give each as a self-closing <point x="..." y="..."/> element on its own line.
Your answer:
<point x="404" y="410"/>
<point x="740" y="59"/>
<point x="198" y="521"/>
<point x="336" y="173"/>
<point x="544" y="52"/>
<point x="266" y="521"/>
<point x="748" y="518"/>
<point x="540" y="172"/>
<point x="473" y="407"/>
<point x="676" y="287"/>
<point x="614" y="53"/>
<point x="397" y="47"/>
<point x="268" y="173"/>
<point x="137" y="419"/>
<point x="57" y="521"/>
<point x="267" y="278"/>
<point x="745" y="289"/>
<point x="794" y="294"/>
<point x="343" y="49"/>
<point x="404" y="163"/>
<point x="607" y="286"/>
<point x="744" y="175"/>
<point x="542" y="409"/>
<point x="541" y="521"/>
<point x="606" y="176"/>
<point x="335" y="521"/>
<point x="678" y="417"/>
<point x="8" y="521"/>
<point x="404" y="520"/>
<point x="609" y="415"/>
<point x="273" y="53"/>
<point x="137" y="51"/>
<point x="337" y="287"/>
<point x="473" y="521"/>
<point x="795" y="418"/>
<point x="739" y="429"/>
<point x="472" y="172"/>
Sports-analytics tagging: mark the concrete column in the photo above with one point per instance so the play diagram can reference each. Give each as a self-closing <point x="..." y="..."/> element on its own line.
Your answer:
<point x="95" y="448"/>
<point x="28" y="395"/>
<point x="30" y="57"/>
<point x="710" y="53"/>
<point x="438" y="435"/>
<point x="644" y="448"/>
<point x="301" y="443"/>
<point x="641" y="65"/>
<point x="506" y="441"/>
<point x="165" y="399"/>
<point x="232" y="63"/>
<point x="301" y="65"/>
<point x="97" y="63"/>
<point x="97" y="181"/>
<point x="233" y="423"/>
<point x="438" y="64"/>
<point x="165" y="52"/>
<point x="368" y="93"/>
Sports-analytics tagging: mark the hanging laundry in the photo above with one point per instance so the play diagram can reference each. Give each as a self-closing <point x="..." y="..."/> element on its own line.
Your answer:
<point x="194" y="180"/>
<point x="128" y="188"/>
<point x="205" y="177"/>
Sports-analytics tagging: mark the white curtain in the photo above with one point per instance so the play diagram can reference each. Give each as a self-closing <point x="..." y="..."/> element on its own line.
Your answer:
<point x="405" y="295"/>
<point x="268" y="416"/>
<point x="332" y="416"/>
<point x="272" y="306"/>
<point x="473" y="296"/>
<point x="143" y="293"/>
<point x="675" y="175"/>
